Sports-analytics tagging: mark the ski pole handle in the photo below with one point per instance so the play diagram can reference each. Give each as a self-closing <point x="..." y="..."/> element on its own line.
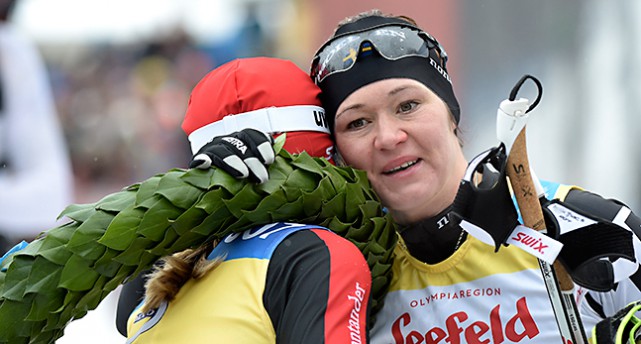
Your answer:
<point x="512" y="117"/>
<point x="527" y="198"/>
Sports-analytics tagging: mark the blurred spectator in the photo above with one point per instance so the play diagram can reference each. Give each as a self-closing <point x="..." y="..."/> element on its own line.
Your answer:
<point x="35" y="172"/>
<point x="121" y="105"/>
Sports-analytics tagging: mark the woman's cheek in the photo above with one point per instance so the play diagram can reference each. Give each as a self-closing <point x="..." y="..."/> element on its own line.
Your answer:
<point x="356" y="158"/>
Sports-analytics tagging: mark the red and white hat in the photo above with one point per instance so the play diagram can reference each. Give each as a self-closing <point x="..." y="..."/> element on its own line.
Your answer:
<point x="268" y="94"/>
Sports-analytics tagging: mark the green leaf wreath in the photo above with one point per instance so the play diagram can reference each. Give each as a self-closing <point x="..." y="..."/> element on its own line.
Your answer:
<point x="68" y="270"/>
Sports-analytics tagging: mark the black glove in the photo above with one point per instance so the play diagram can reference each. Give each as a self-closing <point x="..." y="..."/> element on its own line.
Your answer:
<point x="242" y="154"/>
<point x="596" y="252"/>
<point x="622" y="328"/>
<point x="484" y="201"/>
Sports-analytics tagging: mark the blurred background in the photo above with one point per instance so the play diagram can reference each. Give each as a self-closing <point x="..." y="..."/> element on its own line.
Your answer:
<point x="121" y="72"/>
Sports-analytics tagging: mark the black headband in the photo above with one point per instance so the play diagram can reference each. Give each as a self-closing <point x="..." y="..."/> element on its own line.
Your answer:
<point x="429" y="71"/>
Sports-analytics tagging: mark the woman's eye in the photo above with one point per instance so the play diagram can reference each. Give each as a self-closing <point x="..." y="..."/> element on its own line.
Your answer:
<point x="408" y="106"/>
<point x="356" y="124"/>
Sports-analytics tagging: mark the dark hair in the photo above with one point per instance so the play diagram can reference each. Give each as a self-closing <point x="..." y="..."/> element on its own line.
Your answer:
<point x="370" y="13"/>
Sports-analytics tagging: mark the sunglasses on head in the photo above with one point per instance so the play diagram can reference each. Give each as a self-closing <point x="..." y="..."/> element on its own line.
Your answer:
<point x="392" y="42"/>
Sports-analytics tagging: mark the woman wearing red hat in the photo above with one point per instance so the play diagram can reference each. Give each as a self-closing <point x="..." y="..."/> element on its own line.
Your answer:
<point x="283" y="282"/>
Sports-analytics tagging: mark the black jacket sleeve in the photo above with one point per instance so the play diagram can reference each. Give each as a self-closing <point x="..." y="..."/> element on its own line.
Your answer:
<point x="317" y="289"/>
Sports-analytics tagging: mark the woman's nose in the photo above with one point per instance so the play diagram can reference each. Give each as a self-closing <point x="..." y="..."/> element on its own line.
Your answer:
<point x="389" y="133"/>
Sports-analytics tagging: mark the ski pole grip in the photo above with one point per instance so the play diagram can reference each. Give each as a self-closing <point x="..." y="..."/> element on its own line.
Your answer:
<point x="518" y="171"/>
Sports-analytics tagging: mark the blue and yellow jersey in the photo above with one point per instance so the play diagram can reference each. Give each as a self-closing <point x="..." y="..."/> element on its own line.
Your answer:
<point x="291" y="282"/>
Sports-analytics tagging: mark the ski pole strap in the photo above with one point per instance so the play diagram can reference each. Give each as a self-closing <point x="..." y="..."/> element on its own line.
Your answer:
<point x="622" y="328"/>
